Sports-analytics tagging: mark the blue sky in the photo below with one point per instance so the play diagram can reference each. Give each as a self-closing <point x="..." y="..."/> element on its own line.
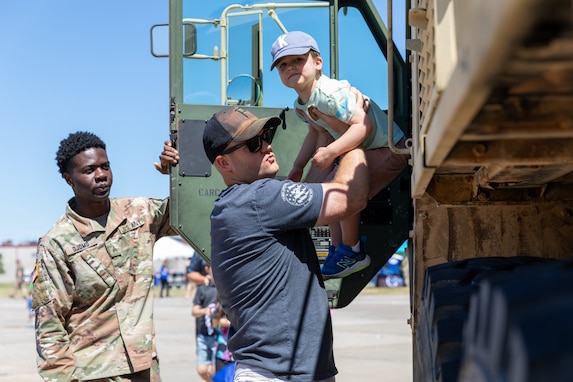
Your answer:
<point x="69" y="66"/>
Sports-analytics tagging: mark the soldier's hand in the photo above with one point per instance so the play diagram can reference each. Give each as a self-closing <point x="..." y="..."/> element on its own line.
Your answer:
<point x="168" y="157"/>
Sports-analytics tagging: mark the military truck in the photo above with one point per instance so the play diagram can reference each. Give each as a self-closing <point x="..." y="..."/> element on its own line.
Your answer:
<point x="483" y="89"/>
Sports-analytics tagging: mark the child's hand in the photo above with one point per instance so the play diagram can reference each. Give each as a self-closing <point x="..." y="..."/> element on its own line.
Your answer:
<point x="323" y="158"/>
<point x="295" y="174"/>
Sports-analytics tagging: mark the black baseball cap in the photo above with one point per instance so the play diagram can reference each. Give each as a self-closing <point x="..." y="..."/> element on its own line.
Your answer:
<point x="232" y="124"/>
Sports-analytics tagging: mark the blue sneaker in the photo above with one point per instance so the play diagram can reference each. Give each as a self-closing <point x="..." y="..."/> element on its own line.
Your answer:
<point x="344" y="261"/>
<point x="331" y="251"/>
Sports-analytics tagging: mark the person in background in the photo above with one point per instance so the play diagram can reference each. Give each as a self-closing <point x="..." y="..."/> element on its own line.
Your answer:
<point x="223" y="357"/>
<point x="297" y="58"/>
<point x="204" y="304"/>
<point x="164" y="278"/>
<point x="196" y="270"/>
<point x="262" y="256"/>
<point x="190" y="287"/>
<point x="20" y="284"/>
<point x="93" y="292"/>
<point x="31" y="312"/>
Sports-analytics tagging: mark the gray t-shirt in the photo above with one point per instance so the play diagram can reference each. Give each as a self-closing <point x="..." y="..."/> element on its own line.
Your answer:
<point x="268" y="278"/>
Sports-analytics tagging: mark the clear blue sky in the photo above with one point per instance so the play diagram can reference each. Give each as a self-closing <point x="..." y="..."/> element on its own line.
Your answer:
<point x="71" y="65"/>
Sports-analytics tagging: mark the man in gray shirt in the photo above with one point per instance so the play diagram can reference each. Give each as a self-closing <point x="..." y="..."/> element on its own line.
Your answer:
<point x="262" y="257"/>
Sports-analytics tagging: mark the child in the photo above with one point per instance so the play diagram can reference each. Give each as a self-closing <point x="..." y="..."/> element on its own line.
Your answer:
<point x="203" y="309"/>
<point x="299" y="64"/>
<point x="223" y="356"/>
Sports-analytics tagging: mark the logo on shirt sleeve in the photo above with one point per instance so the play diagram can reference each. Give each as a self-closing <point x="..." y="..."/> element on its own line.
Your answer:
<point x="297" y="194"/>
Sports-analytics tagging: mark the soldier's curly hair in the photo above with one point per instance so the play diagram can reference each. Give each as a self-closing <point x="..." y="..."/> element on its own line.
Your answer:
<point x="74" y="144"/>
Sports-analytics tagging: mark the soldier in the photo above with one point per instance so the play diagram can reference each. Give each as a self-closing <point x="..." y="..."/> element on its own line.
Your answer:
<point x="93" y="289"/>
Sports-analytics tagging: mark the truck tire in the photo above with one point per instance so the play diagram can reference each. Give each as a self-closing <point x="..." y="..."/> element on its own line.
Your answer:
<point x="447" y="291"/>
<point x="519" y="327"/>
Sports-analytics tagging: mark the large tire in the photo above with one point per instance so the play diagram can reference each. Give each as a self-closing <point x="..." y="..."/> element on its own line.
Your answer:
<point x="519" y="327"/>
<point x="448" y="289"/>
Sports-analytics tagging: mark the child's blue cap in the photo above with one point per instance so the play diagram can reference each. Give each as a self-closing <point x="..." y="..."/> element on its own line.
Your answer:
<point x="291" y="44"/>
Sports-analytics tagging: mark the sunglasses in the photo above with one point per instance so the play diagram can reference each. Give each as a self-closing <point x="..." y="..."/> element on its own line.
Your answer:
<point x="255" y="144"/>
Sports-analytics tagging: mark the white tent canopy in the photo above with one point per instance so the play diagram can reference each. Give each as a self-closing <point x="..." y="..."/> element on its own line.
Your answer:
<point x="176" y="250"/>
<point x="171" y="247"/>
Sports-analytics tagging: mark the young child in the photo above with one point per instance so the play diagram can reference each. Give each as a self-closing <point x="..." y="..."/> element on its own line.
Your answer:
<point x="297" y="58"/>
<point x="223" y="356"/>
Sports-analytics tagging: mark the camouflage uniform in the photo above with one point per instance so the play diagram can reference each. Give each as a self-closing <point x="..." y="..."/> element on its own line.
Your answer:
<point x="93" y="292"/>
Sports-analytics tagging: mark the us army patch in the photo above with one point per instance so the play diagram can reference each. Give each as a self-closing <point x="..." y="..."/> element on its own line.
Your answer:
<point x="131" y="225"/>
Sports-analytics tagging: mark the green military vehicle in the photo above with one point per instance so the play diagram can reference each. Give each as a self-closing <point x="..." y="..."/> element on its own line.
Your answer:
<point x="484" y="90"/>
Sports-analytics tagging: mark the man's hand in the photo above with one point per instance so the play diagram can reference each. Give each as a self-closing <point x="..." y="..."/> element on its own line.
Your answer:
<point x="324" y="156"/>
<point x="168" y="157"/>
<point x="335" y="123"/>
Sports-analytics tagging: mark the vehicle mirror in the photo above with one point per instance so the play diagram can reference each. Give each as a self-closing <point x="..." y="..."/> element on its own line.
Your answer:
<point x="190" y="36"/>
<point x="243" y="90"/>
<point x="159" y="40"/>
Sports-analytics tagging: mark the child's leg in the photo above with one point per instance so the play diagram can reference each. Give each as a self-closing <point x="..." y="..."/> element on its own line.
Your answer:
<point x="335" y="233"/>
<point x="345" y="259"/>
<point x="383" y="166"/>
<point x="316" y="175"/>
<point x="350" y="230"/>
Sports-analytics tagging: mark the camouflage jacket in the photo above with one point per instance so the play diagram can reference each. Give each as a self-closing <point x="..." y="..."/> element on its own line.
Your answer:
<point x="93" y="291"/>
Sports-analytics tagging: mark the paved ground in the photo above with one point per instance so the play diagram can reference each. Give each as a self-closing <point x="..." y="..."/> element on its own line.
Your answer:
<point x="372" y="340"/>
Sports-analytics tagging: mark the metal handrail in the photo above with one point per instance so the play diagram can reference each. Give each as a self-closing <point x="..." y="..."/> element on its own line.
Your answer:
<point x="390" y="57"/>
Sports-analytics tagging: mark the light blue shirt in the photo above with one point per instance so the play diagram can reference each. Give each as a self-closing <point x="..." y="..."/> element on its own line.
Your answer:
<point x="334" y="98"/>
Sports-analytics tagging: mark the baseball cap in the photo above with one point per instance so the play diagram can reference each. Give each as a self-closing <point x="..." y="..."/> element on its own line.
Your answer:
<point x="232" y="124"/>
<point x="292" y="43"/>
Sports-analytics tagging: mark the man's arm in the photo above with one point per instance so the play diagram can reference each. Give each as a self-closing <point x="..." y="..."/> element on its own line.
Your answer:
<point x="52" y="302"/>
<point x="347" y="194"/>
<point x="198" y="278"/>
<point x="197" y="311"/>
<point x="196" y="273"/>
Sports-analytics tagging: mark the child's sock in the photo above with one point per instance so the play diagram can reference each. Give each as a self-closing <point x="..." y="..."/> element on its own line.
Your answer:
<point x="356" y="247"/>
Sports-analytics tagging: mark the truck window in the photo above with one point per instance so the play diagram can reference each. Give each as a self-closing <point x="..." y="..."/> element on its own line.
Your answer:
<point x="361" y="61"/>
<point x="242" y="51"/>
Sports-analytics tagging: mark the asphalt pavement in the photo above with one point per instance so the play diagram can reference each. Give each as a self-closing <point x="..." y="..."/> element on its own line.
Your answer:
<point x="372" y="340"/>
